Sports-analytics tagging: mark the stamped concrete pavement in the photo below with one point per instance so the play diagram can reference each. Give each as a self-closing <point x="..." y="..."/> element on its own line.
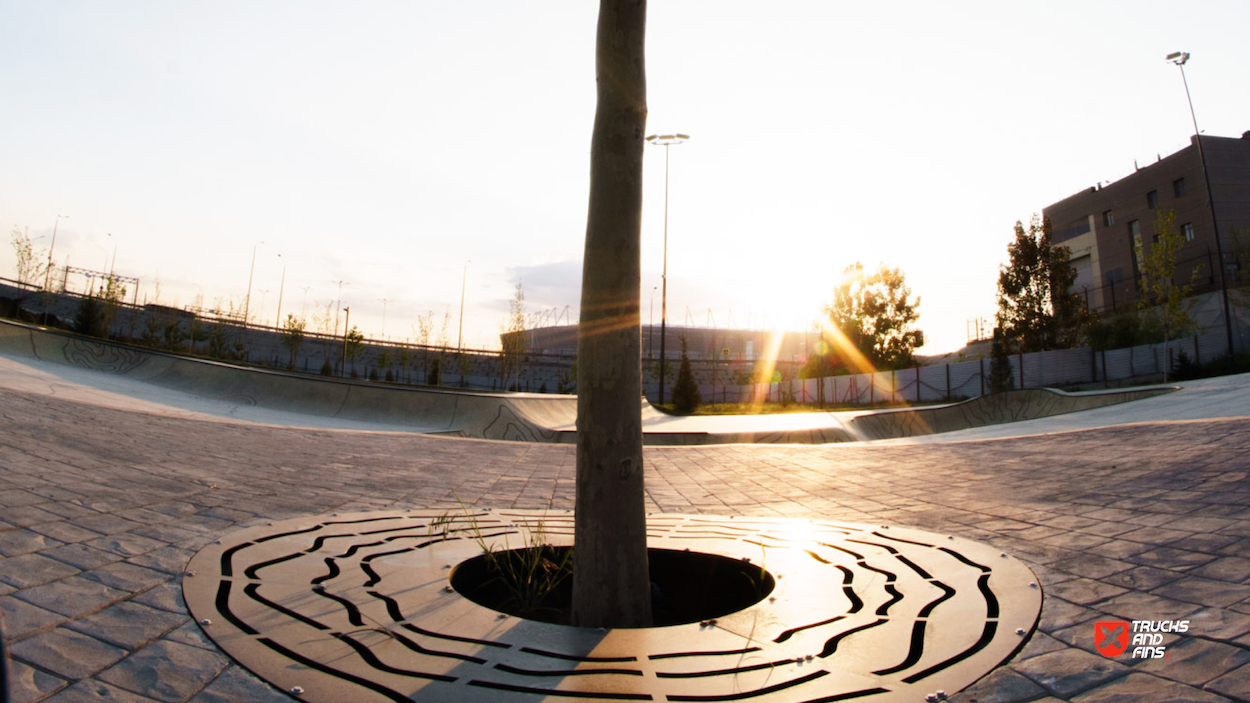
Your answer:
<point x="101" y="507"/>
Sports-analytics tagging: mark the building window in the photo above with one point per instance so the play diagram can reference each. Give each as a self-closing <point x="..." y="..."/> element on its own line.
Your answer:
<point x="1178" y="187"/>
<point x="1152" y="200"/>
<point x="1187" y="229"/>
<point x="1134" y="231"/>
<point x="1108" y="218"/>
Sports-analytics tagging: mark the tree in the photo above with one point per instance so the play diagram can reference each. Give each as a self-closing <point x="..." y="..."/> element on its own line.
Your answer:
<point x="512" y="341"/>
<point x="31" y="264"/>
<point x="686" y="396"/>
<point x="822" y="363"/>
<point x="404" y="359"/>
<point x="877" y="316"/>
<point x="384" y="363"/>
<point x="1000" y="365"/>
<point x="1036" y="311"/>
<point x="353" y="346"/>
<point x="98" y="308"/>
<point x="293" y="337"/>
<point x="611" y="581"/>
<point x="1167" y="302"/>
<point x="425" y="325"/>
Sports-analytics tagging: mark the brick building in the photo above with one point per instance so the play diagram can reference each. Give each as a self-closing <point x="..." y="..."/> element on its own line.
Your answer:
<point x="1107" y="227"/>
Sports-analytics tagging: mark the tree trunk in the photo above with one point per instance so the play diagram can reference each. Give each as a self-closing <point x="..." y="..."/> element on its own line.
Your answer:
<point x="611" y="585"/>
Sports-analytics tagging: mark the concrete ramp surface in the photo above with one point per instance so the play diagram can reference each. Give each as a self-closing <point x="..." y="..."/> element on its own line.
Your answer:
<point x="53" y="362"/>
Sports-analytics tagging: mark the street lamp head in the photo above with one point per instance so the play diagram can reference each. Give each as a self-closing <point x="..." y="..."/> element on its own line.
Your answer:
<point x="667" y="139"/>
<point x="1178" y="57"/>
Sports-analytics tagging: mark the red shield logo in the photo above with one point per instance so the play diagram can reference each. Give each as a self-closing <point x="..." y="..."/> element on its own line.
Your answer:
<point x="1111" y="637"/>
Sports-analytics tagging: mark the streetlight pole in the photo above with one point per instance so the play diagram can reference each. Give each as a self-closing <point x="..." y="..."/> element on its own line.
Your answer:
<point x="264" y="295"/>
<point x="113" y="261"/>
<point x="651" y="324"/>
<point x="383" y="317"/>
<point x="48" y="276"/>
<point x="247" y="302"/>
<point x="337" y="306"/>
<point x="281" y="288"/>
<point x="345" y="321"/>
<point x="1179" y="58"/>
<point x="460" y="334"/>
<point x="665" y="140"/>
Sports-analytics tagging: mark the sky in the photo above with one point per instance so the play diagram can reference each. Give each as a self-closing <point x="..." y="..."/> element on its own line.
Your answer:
<point x="409" y="149"/>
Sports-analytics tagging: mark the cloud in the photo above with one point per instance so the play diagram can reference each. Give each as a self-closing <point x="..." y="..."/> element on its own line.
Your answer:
<point x="549" y="286"/>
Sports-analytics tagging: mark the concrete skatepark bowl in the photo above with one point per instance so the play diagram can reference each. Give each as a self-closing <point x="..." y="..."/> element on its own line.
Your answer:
<point x="279" y="397"/>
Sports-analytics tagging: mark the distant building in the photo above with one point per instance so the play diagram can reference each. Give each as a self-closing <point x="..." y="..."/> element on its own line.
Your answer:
<point x="702" y="343"/>
<point x="1106" y="228"/>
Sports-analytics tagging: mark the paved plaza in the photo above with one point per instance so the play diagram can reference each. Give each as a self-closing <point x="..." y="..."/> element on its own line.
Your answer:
<point x="102" y="505"/>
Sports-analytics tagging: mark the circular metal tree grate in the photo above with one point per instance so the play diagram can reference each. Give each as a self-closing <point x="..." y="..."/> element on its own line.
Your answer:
<point x="359" y="607"/>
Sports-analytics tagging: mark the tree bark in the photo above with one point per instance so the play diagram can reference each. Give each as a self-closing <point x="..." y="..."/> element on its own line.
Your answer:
<point x="611" y="584"/>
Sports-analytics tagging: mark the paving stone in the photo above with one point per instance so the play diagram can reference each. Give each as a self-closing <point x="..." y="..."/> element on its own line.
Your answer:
<point x="1135" y="605"/>
<point x="1235" y="684"/>
<point x="1240" y="548"/>
<point x="1196" y="661"/>
<point x="24" y="541"/>
<point x="21" y="618"/>
<point x="106" y="524"/>
<point x="1144" y="688"/>
<point x="1068" y="672"/>
<point x="93" y="691"/>
<point x="1200" y="523"/>
<point x="1058" y="614"/>
<point x="64" y="531"/>
<point x="27" y="684"/>
<point x="1119" y="549"/>
<point x="190" y="633"/>
<point x="1143" y="578"/>
<point x="1092" y="566"/>
<point x="166" y="596"/>
<point x="1219" y="623"/>
<point x="26" y="515"/>
<point x="126" y="544"/>
<point x="171" y="560"/>
<point x="128" y="624"/>
<point x="82" y="556"/>
<point x="69" y="511"/>
<point x="1205" y="542"/>
<point x="237" y="684"/>
<point x="1235" y="569"/>
<point x="1002" y="686"/>
<point x="1204" y="591"/>
<point x="1085" y="591"/>
<point x="33" y="569"/>
<point x="66" y="653"/>
<point x="73" y="596"/>
<point x="126" y="577"/>
<point x="1040" y="643"/>
<point x="1175" y="559"/>
<point x="166" y="671"/>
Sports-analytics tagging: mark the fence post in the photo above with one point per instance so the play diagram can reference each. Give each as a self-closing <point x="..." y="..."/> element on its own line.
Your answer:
<point x="982" y="376"/>
<point x="1020" y="358"/>
<point x="948" y="381"/>
<point x="917" y="384"/>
